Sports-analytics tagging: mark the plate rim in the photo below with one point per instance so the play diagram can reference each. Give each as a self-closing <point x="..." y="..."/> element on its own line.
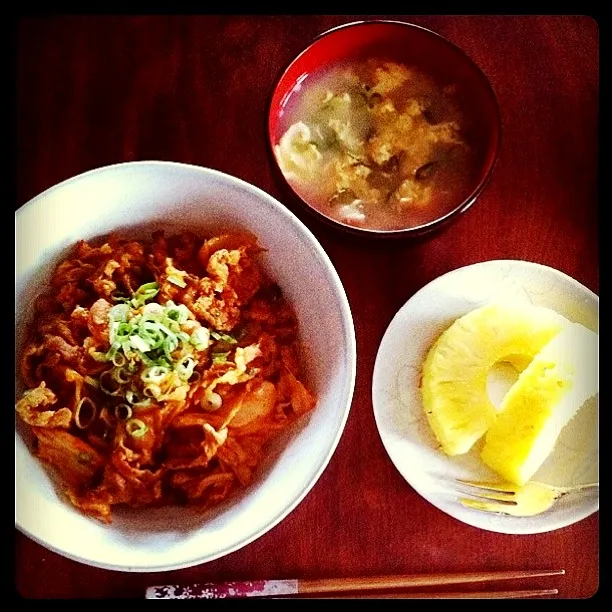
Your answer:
<point x="378" y="402"/>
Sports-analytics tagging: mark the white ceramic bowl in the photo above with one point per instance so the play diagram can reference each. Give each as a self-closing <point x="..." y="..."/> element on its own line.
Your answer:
<point x="398" y="408"/>
<point x="136" y="198"/>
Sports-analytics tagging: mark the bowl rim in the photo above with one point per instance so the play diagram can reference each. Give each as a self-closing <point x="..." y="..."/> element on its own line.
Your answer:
<point x="350" y="361"/>
<point x="430" y="226"/>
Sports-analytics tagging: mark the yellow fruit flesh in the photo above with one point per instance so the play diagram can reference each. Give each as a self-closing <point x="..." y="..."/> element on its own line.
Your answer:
<point x="546" y="396"/>
<point x="455" y="371"/>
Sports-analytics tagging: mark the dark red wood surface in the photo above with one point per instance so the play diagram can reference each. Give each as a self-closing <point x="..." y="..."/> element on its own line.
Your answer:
<point x="96" y="90"/>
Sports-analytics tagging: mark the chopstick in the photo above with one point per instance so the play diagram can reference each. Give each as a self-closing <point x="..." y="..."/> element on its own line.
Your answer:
<point x="275" y="588"/>
<point x="445" y="595"/>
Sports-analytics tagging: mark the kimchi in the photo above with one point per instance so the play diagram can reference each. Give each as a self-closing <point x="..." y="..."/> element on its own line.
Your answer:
<point x="158" y="371"/>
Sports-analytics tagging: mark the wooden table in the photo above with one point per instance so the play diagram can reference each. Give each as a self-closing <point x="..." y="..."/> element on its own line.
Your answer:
<point x="99" y="90"/>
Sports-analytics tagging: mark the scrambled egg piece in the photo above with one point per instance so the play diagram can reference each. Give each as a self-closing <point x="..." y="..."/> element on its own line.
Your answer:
<point x="388" y="76"/>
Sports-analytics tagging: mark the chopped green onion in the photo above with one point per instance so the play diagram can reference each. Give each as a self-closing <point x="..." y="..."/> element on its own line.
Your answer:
<point x="178" y="313"/>
<point x="131" y="396"/>
<point x="224" y="337"/>
<point x="84" y="413"/>
<point x="144" y="293"/>
<point x="166" y="330"/>
<point x="120" y="298"/>
<point x="98" y="356"/>
<point x="136" y="428"/>
<point x="148" y="361"/>
<point x="184" y="368"/>
<point x="112" y="329"/>
<point x="119" y="359"/>
<point x="171" y="325"/>
<point x="119" y="312"/>
<point x="148" y="339"/>
<point x="152" y="390"/>
<point x="126" y="346"/>
<point x="91" y="381"/>
<point x="123" y="412"/>
<point x="153" y="311"/>
<point x="154" y="374"/>
<point x="177" y="280"/>
<point x="220" y="357"/>
<point x="108" y="384"/>
<point x="200" y="338"/>
<point x="139" y="344"/>
<point x="121" y="375"/>
<point x="131" y="366"/>
<point x="211" y="401"/>
<point x="122" y="332"/>
<point x="152" y="333"/>
<point x="115" y="346"/>
<point x="170" y="344"/>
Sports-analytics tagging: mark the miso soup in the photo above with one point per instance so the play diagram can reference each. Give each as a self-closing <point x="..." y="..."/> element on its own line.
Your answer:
<point x="376" y="144"/>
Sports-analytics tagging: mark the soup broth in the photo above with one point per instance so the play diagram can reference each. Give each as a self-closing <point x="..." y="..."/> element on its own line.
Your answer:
<point x="376" y="144"/>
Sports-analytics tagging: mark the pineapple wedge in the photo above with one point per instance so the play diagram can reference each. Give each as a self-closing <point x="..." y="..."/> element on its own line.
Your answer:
<point x="546" y="396"/>
<point x="455" y="370"/>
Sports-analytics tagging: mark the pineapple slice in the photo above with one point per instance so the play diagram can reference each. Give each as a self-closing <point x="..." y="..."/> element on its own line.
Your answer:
<point x="546" y="396"/>
<point x="455" y="370"/>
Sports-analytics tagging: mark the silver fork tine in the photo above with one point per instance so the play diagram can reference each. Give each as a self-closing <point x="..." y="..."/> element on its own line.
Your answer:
<point x="507" y="498"/>
<point x="500" y="500"/>
<point x="488" y="491"/>
<point x="500" y="487"/>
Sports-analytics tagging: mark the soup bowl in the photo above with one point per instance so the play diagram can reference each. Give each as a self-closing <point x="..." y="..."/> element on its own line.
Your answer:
<point x="384" y="128"/>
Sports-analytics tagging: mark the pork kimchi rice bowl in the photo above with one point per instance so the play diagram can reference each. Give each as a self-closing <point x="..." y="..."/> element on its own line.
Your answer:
<point x="173" y="401"/>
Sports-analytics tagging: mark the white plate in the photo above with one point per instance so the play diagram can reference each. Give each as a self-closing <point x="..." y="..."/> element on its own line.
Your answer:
<point x="401" y="420"/>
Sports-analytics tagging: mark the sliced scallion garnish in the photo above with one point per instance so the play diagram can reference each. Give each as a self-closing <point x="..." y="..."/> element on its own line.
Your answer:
<point x="136" y="428"/>
<point x="91" y="381"/>
<point x="99" y="356"/>
<point x="119" y="359"/>
<point x="85" y="412"/>
<point x="158" y="344"/>
<point x="123" y="412"/>
<point x="108" y="384"/>
<point x="144" y="293"/>
<point x="153" y="311"/>
<point x="223" y="337"/>
<point x="152" y="390"/>
<point x="184" y="368"/>
<point x="200" y="338"/>
<point x="119" y="312"/>
<point x="121" y="375"/>
<point x="178" y="313"/>
<point x="139" y="344"/>
<point x="155" y="374"/>
<point x="220" y="357"/>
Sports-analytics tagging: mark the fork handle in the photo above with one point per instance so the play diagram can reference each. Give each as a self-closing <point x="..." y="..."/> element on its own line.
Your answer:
<point x="581" y="487"/>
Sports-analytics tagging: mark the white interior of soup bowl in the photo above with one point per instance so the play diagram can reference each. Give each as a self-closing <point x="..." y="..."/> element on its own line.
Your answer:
<point x="134" y="199"/>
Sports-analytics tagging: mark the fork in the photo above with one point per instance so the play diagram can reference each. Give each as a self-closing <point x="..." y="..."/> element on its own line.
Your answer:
<point x="528" y="500"/>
